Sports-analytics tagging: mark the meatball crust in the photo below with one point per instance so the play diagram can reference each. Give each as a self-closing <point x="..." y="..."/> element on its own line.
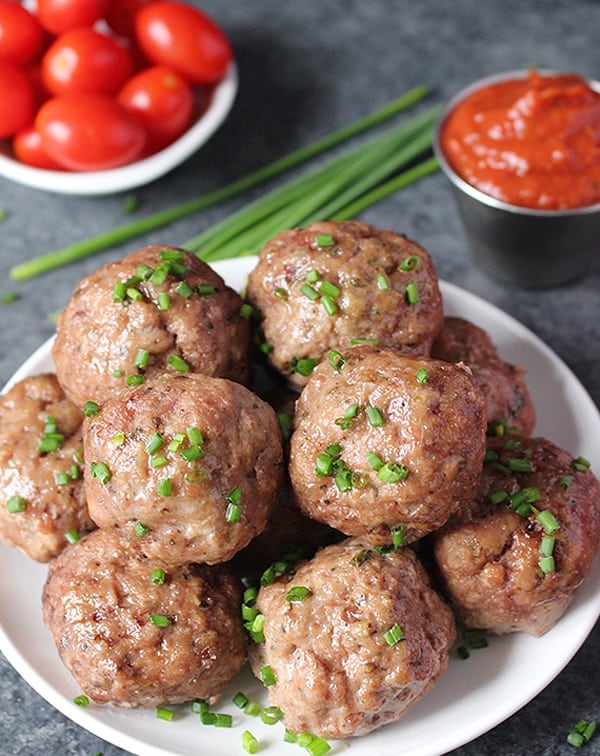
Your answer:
<point x="489" y="557"/>
<point x="503" y="384"/>
<point x="131" y="638"/>
<point x="372" y="297"/>
<point x="336" y="674"/>
<point x="196" y="462"/>
<point x="49" y="483"/>
<point x="123" y="320"/>
<point x="410" y="452"/>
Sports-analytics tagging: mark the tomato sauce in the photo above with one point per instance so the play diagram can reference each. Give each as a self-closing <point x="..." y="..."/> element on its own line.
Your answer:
<point x="533" y="142"/>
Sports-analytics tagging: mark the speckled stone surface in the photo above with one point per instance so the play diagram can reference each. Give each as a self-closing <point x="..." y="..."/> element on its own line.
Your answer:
<point x="306" y="68"/>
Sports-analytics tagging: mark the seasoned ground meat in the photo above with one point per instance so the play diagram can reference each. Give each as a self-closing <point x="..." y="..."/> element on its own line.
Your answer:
<point x="506" y="393"/>
<point x="491" y="558"/>
<point x="364" y="640"/>
<point x="328" y="284"/>
<point x="134" y="632"/>
<point x="386" y="444"/>
<point x="193" y="463"/>
<point x="41" y="461"/>
<point x="124" y="323"/>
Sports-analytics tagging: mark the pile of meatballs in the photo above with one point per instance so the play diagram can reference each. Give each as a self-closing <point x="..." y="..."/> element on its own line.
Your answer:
<point x="191" y="440"/>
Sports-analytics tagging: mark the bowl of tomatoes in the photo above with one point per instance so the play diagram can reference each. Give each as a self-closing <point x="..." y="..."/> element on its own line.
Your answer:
<point x="102" y="96"/>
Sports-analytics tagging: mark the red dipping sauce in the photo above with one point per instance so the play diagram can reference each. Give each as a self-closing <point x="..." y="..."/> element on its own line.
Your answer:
<point x="533" y="142"/>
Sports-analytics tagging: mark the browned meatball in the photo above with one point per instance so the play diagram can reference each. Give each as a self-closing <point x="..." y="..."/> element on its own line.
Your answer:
<point x="503" y="570"/>
<point x="326" y="285"/>
<point x="124" y="323"/>
<point x="388" y="445"/>
<point x="193" y="463"/>
<point x="41" y="458"/>
<point x="506" y="393"/>
<point x="134" y="632"/>
<point x="364" y="640"/>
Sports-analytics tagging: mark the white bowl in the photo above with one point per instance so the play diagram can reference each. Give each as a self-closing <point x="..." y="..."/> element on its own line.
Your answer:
<point x="137" y="173"/>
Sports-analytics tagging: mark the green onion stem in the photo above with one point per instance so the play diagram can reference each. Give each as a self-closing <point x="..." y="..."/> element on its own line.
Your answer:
<point x="79" y="250"/>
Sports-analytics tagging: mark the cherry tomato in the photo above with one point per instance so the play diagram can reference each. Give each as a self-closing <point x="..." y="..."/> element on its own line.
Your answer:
<point x="121" y="14"/>
<point x="58" y="16"/>
<point x="163" y="101"/>
<point x="27" y="146"/>
<point x="21" y="36"/>
<point x="85" y="60"/>
<point x="181" y="36"/>
<point x="89" y="131"/>
<point x="17" y="100"/>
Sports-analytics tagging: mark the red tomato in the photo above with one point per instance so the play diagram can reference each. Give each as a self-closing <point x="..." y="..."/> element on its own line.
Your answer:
<point x="58" y="16"/>
<point x="17" y="100"/>
<point x="181" y="36"/>
<point x="163" y="101"/>
<point x="85" y="60"/>
<point x="121" y="14"/>
<point x="89" y="132"/>
<point x="21" y="36"/>
<point x="27" y="146"/>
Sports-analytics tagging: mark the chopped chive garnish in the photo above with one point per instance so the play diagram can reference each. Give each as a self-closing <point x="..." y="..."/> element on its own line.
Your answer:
<point x="374" y="460"/>
<point x="289" y="737"/>
<point x="546" y="564"/>
<point x="491" y="455"/>
<point x="547" y="545"/>
<point x="234" y="496"/>
<point x="324" y="465"/>
<point x="143" y="272"/>
<point x="548" y="521"/>
<point x="246" y="311"/>
<point x="117" y="373"/>
<point x="358" y="342"/>
<point x="204" y="290"/>
<point x="409" y="263"/>
<point x="154" y="443"/>
<point x="141" y="529"/>
<point x="397" y="536"/>
<point x="382" y="282"/>
<point x="267" y="675"/>
<point x="183" y="290"/>
<point x="519" y="465"/>
<point x="392" y="472"/>
<point x="134" y="294"/>
<point x="15" y="504"/>
<point x="158" y="461"/>
<point x="75" y="472"/>
<point x="498" y="497"/>
<point x="361" y="556"/>
<point x="324" y="240"/>
<point x="192" y="453"/>
<point x="157" y="576"/>
<point x="336" y="360"/>
<point x="393" y="635"/>
<point x="178" y="363"/>
<point x="9" y="297"/>
<point x="172" y="255"/>
<point x="327" y="289"/>
<point x="164" y="713"/>
<point x="422" y="375"/>
<point x="176" y="442"/>
<point x="271" y="715"/>
<point x="233" y="513"/>
<point x="164" y="487"/>
<point x="163" y="300"/>
<point x="303" y="365"/>
<point x="141" y="358"/>
<point x="135" y="379"/>
<point x="240" y="700"/>
<point x="199" y="705"/>
<point x="343" y="480"/>
<point x="581" y="464"/>
<point x="281" y="293"/>
<point x="412" y="293"/>
<point x="100" y="470"/>
<point x="297" y="593"/>
<point x="285" y="423"/>
<point x="223" y="720"/>
<point x="312" y="276"/>
<point x="374" y="416"/>
<point x="475" y="638"/>
<point x="566" y="482"/>
<point x="581" y="733"/>
<point x="208" y="717"/>
<point x="195" y="476"/>
<point x="317" y="746"/>
<point x="329" y="305"/>
<point x="160" y="274"/>
<point x="252" y="709"/>
<point x="118" y="294"/>
<point x="194" y="436"/>
<point x="160" y="620"/>
<point x="334" y="450"/>
<point x="81" y="700"/>
<point x="309" y="292"/>
<point x="249" y="742"/>
<point x="91" y="409"/>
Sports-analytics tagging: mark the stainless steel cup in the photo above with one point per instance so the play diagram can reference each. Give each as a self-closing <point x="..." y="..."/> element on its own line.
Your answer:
<point x="521" y="246"/>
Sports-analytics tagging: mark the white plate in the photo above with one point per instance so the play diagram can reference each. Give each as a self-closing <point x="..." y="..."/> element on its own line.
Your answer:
<point x="494" y="682"/>
<point x="141" y="171"/>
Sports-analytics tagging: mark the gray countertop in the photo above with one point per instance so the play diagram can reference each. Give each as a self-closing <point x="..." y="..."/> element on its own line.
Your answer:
<point x="306" y="68"/>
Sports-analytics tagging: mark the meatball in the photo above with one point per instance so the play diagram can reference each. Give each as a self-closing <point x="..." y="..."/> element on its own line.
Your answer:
<point x="40" y="468"/>
<point x="192" y="463"/>
<point x="507" y="397"/>
<point x="354" y="638"/>
<point x="386" y="446"/>
<point x="329" y="284"/>
<point x="512" y="560"/>
<point x="134" y="632"/>
<point x="159" y="309"/>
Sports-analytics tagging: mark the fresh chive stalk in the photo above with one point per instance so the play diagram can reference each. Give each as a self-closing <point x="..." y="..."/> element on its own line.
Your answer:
<point x="121" y="234"/>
